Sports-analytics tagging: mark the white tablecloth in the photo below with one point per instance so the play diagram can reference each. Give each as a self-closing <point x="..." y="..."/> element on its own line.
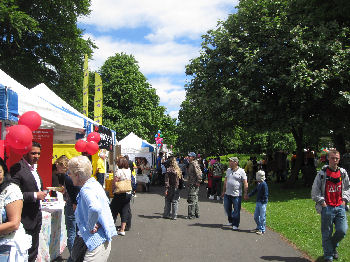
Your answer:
<point x="53" y="234"/>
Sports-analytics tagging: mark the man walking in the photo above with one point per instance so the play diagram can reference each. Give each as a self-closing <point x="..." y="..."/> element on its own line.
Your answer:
<point x="218" y="171"/>
<point x="25" y="175"/>
<point x="232" y="192"/>
<point x="330" y="190"/>
<point x="194" y="179"/>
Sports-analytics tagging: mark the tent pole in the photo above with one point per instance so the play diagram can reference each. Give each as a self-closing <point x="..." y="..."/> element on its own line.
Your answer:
<point x="114" y="156"/>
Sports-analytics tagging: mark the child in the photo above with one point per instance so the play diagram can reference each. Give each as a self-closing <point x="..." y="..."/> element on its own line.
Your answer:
<point x="261" y="202"/>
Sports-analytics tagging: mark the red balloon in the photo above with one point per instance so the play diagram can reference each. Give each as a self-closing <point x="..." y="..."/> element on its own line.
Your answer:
<point x="80" y="145"/>
<point x="19" y="137"/>
<point x="22" y="151"/>
<point x="94" y="136"/>
<point x="30" y="119"/>
<point x="92" y="147"/>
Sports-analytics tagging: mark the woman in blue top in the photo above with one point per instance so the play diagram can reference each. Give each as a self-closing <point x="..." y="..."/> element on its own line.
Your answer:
<point x="92" y="215"/>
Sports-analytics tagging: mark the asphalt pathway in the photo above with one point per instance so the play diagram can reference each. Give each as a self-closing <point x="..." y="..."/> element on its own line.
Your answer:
<point x="153" y="238"/>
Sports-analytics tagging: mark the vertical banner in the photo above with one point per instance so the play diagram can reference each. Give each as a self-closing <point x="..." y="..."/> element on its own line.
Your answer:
<point x="45" y="138"/>
<point x="86" y="87"/>
<point x="98" y="99"/>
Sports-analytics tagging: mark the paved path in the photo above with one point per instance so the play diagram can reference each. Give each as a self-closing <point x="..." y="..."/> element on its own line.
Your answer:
<point x="153" y="238"/>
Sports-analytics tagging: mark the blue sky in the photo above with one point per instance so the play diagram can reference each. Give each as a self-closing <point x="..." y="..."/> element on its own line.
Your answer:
<point x="162" y="35"/>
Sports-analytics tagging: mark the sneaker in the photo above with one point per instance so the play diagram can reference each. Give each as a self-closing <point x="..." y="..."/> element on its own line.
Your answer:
<point x="254" y="230"/>
<point x="218" y="198"/>
<point x="227" y="225"/>
<point x="234" y="228"/>
<point x="190" y="217"/>
<point x="121" y="233"/>
<point x="211" y="197"/>
<point x="197" y="215"/>
<point x="174" y="218"/>
<point x="259" y="232"/>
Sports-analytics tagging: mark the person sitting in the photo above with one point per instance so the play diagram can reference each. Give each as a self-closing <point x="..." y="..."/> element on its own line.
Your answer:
<point x="14" y="242"/>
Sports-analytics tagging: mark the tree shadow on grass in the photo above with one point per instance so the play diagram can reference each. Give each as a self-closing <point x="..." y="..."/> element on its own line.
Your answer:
<point x="320" y="259"/>
<point x="285" y="259"/>
<point x="278" y="193"/>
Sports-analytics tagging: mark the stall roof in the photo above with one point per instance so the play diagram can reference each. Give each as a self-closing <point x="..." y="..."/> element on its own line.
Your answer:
<point x="134" y="142"/>
<point x="65" y="125"/>
<point x="54" y="100"/>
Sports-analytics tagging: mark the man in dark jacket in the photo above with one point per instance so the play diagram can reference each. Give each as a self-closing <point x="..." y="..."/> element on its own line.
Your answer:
<point x="194" y="179"/>
<point x="25" y="175"/>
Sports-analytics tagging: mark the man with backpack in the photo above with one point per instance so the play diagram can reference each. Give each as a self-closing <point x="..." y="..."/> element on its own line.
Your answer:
<point x="218" y="170"/>
<point x="330" y="191"/>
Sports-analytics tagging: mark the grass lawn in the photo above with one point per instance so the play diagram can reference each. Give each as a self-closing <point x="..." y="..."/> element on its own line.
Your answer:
<point x="291" y="212"/>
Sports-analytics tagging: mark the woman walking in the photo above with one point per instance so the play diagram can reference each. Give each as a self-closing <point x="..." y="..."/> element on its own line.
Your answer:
<point x="172" y="178"/>
<point x="121" y="201"/>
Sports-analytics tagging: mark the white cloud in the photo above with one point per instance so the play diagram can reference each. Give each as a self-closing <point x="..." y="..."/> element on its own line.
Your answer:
<point x="170" y="94"/>
<point x="167" y="19"/>
<point x="158" y="50"/>
<point x="174" y="114"/>
<point x="161" y="58"/>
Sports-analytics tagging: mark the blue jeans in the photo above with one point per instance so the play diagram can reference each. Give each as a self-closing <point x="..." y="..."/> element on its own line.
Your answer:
<point x="234" y="216"/>
<point x="329" y="216"/>
<point x="4" y="253"/>
<point x="70" y="225"/>
<point x="260" y="216"/>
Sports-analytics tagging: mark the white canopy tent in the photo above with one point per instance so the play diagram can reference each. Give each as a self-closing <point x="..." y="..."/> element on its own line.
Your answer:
<point x="134" y="146"/>
<point x="58" y="103"/>
<point x="61" y="119"/>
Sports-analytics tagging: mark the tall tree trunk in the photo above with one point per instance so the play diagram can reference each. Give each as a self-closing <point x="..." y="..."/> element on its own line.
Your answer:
<point x="339" y="142"/>
<point x="298" y="135"/>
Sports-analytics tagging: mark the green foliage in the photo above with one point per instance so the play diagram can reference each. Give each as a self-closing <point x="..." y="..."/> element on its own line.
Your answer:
<point x="130" y="104"/>
<point x="291" y="212"/>
<point x="274" y="67"/>
<point x="41" y="43"/>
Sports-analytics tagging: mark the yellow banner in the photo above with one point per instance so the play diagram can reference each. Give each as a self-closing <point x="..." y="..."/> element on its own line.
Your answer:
<point x="98" y="99"/>
<point x="69" y="151"/>
<point x="86" y="87"/>
<point x="64" y="149"/>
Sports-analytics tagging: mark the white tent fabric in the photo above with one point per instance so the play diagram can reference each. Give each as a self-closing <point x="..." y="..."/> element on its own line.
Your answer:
<point x="64" y="123"/>
<point x="131" y="145"/>
<point x="55" y="101"/>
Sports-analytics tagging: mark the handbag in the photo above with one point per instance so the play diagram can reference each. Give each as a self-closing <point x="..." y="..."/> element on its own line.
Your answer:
<point x="79" y="249"/>
<point x="123" y="186"/>
<point x="181" y="183"/>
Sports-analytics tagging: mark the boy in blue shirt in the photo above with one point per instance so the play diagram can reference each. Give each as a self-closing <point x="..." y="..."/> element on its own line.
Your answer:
<point x="261" y="202"/>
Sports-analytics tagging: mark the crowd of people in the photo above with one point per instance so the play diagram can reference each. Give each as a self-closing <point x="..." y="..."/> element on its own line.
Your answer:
<point x="91" y="217"/>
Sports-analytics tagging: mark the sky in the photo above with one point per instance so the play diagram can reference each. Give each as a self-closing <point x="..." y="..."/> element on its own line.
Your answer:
<point x="162" y="35"/>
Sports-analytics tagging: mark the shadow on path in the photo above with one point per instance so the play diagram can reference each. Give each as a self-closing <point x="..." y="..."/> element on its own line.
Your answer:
<point x="285" y="259"/>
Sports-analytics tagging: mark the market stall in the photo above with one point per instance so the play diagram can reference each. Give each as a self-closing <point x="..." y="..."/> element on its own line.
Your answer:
<point x="59" y="124"/>
<point x="135" y="147"/>
<point x="53" y="234"/>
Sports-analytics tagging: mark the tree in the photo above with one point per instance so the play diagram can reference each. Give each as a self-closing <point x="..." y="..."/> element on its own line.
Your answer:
<point x="277" y="69"/>
<point x="40" y="42"/>
<point x="130" y="104"/>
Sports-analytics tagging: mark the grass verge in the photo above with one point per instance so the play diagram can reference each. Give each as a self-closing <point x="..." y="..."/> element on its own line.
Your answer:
<point x="291" y="213"/>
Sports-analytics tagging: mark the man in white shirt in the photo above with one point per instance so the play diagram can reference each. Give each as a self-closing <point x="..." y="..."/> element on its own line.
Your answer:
<point x="232" y="192"/>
